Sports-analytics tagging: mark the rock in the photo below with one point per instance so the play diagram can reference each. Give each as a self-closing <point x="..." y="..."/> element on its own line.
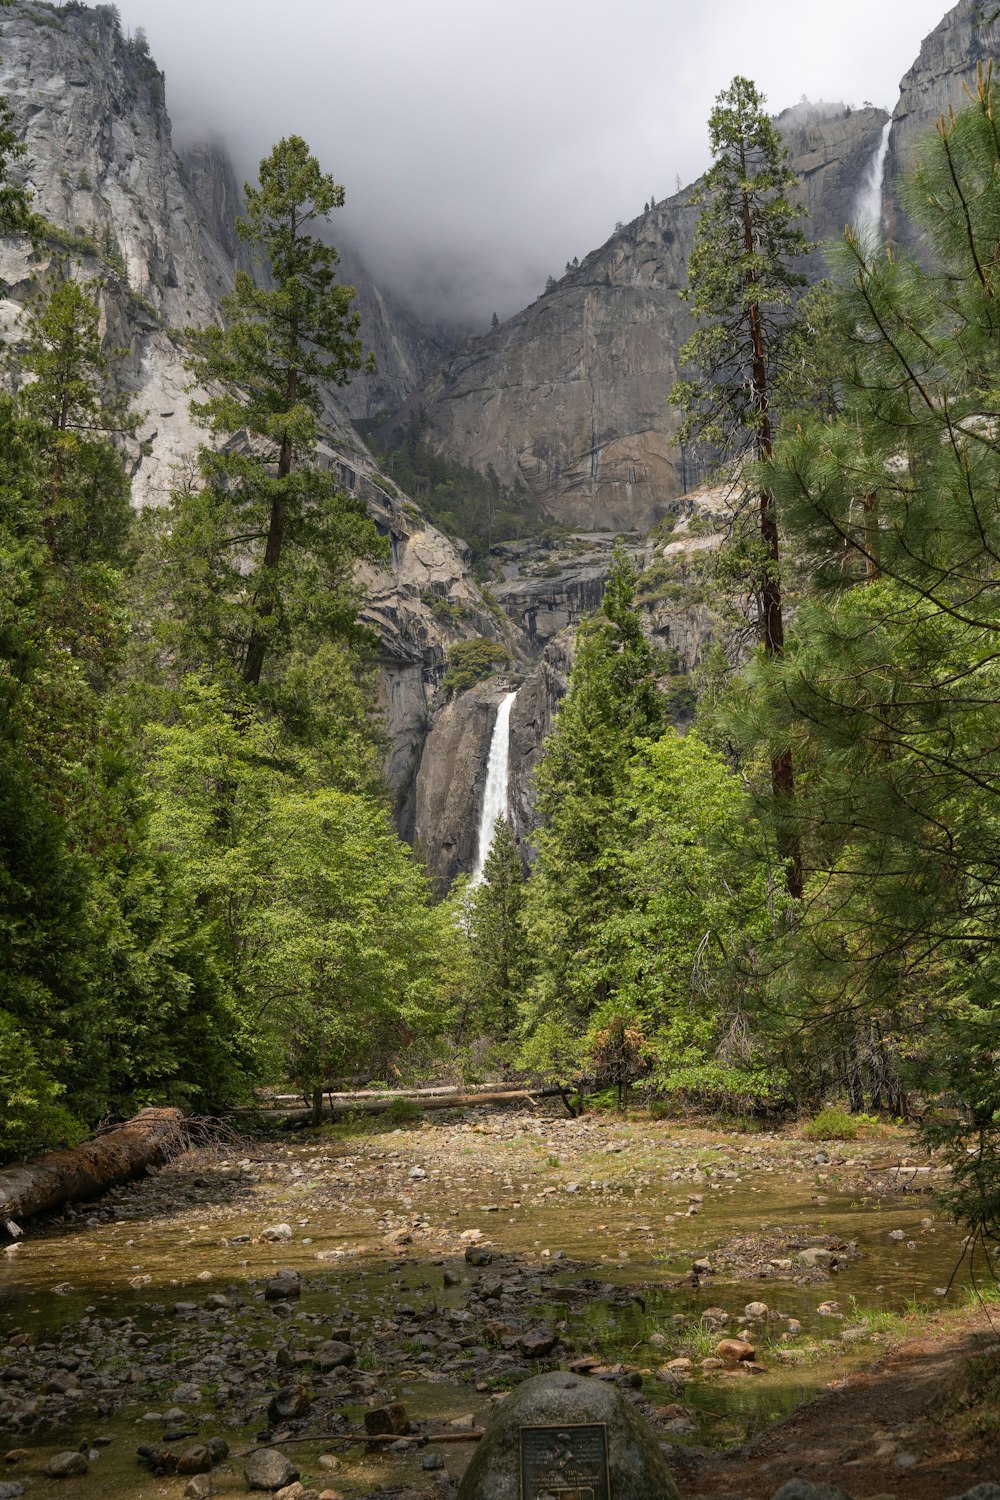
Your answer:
<point x="282" y="1286"/>
<point x="267" y="1469"/>
<point x="538" y="1342"/>
<point x="218" y="1448"/>
<point x="828" y="1309"/>
<point x="195" y="1460"/>
<point x="68" y="1465"/>
<point x="478" y="1255"/>
<point x="636" y="1464"/>
<point x="702" y="1267"/>
<point x="333" y="1354"/>
<point x="987" y="1491"/>
<point x="431" y="1461"/>
<point x="756" y="1310"/>
<point x="199" y="1488"/>
<point x="9" y="1490"/>
<point x="384" y="1421"/>
<point x="277" y="1232"/>
<point x="288" y="1404"/>
<point x="735" y="1350"/>
<point x="816" y="1257"/>
<point x="803" y="1489"/>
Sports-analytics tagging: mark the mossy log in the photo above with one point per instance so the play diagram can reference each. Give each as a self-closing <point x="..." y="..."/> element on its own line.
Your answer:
<point x="86" y="1171"/>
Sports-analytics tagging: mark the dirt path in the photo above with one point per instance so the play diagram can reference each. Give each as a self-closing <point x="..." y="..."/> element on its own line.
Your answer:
<point x="891" y="1430"/>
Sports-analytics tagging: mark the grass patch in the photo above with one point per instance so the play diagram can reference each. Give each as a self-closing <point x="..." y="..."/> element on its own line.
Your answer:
<point x="839" y="1125"/>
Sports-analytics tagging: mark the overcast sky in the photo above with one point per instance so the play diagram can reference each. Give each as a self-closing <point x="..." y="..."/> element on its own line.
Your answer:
<point x="483" y="143"/>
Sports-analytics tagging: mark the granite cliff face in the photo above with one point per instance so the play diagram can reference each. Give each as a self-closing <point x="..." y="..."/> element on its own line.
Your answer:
<point x="567" y="400"/>
<point x="945" y="67"/>
<point x="156" y="229"/>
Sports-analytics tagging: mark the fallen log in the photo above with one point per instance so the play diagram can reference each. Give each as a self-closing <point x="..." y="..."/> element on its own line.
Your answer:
<point x="86" y="1171"/>
<point x="377" y="1104"/>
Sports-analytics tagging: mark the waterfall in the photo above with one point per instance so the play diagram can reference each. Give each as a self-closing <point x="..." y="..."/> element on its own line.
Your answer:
<point x="495" y="795"/>
<point x="868" y="204"/>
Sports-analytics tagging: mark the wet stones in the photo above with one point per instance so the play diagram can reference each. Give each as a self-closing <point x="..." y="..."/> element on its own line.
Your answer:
<point x="267" y="1469"/>
<point x="195" y="1460"/>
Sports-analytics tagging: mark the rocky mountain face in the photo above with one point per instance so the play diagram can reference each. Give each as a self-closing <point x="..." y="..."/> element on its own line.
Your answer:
<point x="155" y="230"/>
<point x="567" y="400"/>
<point x="945" y="68"/>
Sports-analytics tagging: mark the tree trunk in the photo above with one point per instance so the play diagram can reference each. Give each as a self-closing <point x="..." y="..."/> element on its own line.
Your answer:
<point x="257" y="645"/>
<point x="772" y="624"/>
<point x="86" y="1171"/>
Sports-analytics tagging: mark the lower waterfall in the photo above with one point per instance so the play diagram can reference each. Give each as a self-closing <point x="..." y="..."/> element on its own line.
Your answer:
<point x="868" y="204"/>
<point x="495" y="795"/>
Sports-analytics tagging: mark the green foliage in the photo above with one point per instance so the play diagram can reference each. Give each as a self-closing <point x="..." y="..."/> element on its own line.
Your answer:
<point x="269" y="536"/>
<point x="837" y="1125"/>
<point x="498" y="971"/>
<point x="473" y="661"/>
<point x="457" y="498"/>
<point x="741" y="285"/>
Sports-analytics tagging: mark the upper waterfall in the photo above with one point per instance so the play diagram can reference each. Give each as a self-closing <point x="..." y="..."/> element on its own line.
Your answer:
<point x="868" y="204"/>
<point x="495" y="795"/>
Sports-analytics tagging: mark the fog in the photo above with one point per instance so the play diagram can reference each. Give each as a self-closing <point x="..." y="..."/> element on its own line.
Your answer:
<point x="483" y="145"/>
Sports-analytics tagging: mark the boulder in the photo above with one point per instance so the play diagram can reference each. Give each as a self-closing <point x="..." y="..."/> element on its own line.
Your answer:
<point x="282" y="1285"/>
<point x="267" y="1469"/>
<point x="334" y="1353"/>
<point x="68" y="1465"/>
<point x="735" y="1350"/>
<point x="291" y="1402"/>
<point x="386" y="1421"/>
<point x="636" y="1465"/>
<point x="802" y="1489"/>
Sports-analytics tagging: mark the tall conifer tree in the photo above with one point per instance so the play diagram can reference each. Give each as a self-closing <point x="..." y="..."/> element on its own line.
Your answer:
<point x="741" y="286"/>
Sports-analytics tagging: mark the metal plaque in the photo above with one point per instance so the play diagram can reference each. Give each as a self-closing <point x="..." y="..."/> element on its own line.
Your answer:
<point x="565" y="1463"/>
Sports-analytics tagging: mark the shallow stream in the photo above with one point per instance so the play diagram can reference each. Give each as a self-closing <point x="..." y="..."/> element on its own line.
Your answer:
<point x="592" y="1228"/>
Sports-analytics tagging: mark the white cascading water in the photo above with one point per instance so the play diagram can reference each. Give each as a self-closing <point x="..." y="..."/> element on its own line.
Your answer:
<point x="495" y="795"/>
<point x="868" y="204"/>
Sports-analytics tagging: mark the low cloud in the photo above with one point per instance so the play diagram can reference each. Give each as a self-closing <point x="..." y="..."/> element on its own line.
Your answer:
<point x="483" y="146"/>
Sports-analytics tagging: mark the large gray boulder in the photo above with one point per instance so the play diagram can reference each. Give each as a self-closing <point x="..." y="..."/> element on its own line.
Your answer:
<point x="636" y="1466"/>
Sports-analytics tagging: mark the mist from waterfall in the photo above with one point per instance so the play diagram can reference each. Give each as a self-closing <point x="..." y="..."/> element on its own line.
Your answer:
<point x="868" y="204"/>
<point x="495" y="795"/>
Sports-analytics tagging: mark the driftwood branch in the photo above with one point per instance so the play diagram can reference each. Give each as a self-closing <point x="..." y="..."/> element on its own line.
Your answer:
<point x="86" y="1171"/>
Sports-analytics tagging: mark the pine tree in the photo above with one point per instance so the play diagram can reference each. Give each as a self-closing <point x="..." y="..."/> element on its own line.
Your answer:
<point x="267" y="501"/>
<point x="498" y="942"/>
<point x="612" y="702"/>
<point x="741" y="287"/>
<point x="891" y="669"/>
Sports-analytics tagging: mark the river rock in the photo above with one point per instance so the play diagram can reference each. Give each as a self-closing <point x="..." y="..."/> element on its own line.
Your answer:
<point x="68" y="1465"/>
<point x="290" y="1402"/>
<point x="816" y="1258"/>
<point x="332" y="1354"/>
<point x="987" y="1491"/>
<point x="538" y="1342"/>
<point x="636" y="1465"/>
<point x="282" y="1285"/>
<point x="803" y="1489"/>
<point x="267" y="1469"/>
<point x="390" y="1420"/>
<point x="11" y="1491"/>
<point x="195" y="1460"/>
<point x="735" y="1350"/>
<point x="199" y="1488"/>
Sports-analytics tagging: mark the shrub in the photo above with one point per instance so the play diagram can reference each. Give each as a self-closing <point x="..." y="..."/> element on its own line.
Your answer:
<point x="837" y="1125"/>
<point x="472" y="661"/>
